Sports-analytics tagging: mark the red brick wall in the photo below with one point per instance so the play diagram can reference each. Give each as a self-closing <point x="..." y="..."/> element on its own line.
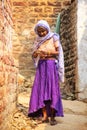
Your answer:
<point x="8" y="69"/>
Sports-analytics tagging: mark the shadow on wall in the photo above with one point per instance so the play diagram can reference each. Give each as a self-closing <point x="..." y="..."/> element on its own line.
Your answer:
<point x="22" y="50"/>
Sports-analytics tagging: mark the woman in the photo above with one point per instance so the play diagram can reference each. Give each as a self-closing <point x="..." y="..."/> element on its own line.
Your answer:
<point x="48" y="58"/>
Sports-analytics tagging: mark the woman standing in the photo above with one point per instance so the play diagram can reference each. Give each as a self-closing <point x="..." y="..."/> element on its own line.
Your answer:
<point x="45" y="98"/>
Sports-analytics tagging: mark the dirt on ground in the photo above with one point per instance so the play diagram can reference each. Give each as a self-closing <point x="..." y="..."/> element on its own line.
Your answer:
<point x="75" y="116"/>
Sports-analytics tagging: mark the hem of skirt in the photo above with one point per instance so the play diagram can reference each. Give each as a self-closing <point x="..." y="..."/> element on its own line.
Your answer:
<point x="34" y="111"/>
<point x="41" y="106"/>
<point x="57" y="114"/>
<point x="30" y="113"/>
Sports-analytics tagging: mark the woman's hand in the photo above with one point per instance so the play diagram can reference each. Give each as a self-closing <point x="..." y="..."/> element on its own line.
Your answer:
<point x="43" y="54"/>
<point x="40" y="53"/>
<point x="54" y="53"/>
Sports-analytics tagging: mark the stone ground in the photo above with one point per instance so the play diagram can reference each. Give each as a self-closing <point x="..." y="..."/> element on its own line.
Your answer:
<point x="75" y="116"/>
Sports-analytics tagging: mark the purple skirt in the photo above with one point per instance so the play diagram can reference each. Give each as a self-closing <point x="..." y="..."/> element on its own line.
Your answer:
<point x="45" y="90"/>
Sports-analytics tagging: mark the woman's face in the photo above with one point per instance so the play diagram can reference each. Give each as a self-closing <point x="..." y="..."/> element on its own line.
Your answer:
<point x="42" y="31"/>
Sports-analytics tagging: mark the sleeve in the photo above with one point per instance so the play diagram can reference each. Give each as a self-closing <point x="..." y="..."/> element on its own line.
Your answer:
<point x="56" y="40"/>
<point x="61" y="64"/>
<point x="60" y="58"/>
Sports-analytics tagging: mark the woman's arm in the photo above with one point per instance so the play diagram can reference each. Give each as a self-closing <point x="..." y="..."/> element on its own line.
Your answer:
<point x="40" y="53"/>
<point x="56" y="50"/>
<point x="53" y="53"/>
<point x="49" y="53"/>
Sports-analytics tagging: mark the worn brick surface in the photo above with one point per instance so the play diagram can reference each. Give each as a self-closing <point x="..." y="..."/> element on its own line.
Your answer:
<point x="8" y="68"/>
<point x="69" y="41"/>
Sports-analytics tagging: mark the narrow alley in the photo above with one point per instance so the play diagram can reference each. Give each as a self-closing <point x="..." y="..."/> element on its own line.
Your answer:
<point x="17" y="70"/>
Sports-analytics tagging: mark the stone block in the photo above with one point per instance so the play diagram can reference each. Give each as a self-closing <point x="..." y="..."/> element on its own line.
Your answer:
<point x="43" y="15"/>
<point x="2" y="78"/>
<point x="42" y="3"/>
<point x="33" y="3"/>
<point x="38" y="9"/>
<point x="1" y="93"/>
<point x="66" y="3"/>
<point x="56" y="10"/>
<point x="1" y="119"/>
<point x="55" y="3"/>
<point x="1" y="66"/>
<point x="48" y="9"/>
<point x="19" y="4"/>
<point x="2" y="106"/>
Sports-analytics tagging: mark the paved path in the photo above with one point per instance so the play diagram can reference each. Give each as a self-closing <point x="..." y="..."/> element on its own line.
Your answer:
<point x="75" y="116"/>
<point x="69" y="122"/>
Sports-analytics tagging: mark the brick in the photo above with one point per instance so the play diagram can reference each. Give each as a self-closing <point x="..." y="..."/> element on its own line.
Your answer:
<point x="1" y="93"/>
<point x="2" y="79"/>
<point x="32" y="20"/>
<point x="34" y="15"/>
<point x="33" y="3"/>
<point x="56" y="10"/>
<point x="1" y="119"/>
<point x="2" y="38"/>
<point x="1" y="67"/>
<point x="66" y="3"/>
<point x="1" y="13"/>
<point x="6" y="60"/>
<point x="42" y="3"/>
<point x="56" y="3"/>
<point x="48" y="9"/>
<point x="11" y="78"/>
<point x="30" y="10"/>
<point x="53" y="15"/>
<point x="7" y="68"/>
<point x="51" y="21"/>
<point x="43" y="15"/>
<point x="0" y="3"/>
<point x="2" y="106"/>
<point x="38" y="9"/>
<point x="19" y="4"/>
<point x="8" y="91"/>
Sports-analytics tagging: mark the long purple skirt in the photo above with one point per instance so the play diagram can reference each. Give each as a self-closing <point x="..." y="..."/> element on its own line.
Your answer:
<point x="45" y="90"/>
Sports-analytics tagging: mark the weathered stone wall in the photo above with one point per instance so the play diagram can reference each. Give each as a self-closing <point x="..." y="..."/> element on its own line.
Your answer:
<point x="26" y="13"/>
<point x="8" y="70"/>
<point x="82" y="48"/>
<point x="68" y="33"/>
